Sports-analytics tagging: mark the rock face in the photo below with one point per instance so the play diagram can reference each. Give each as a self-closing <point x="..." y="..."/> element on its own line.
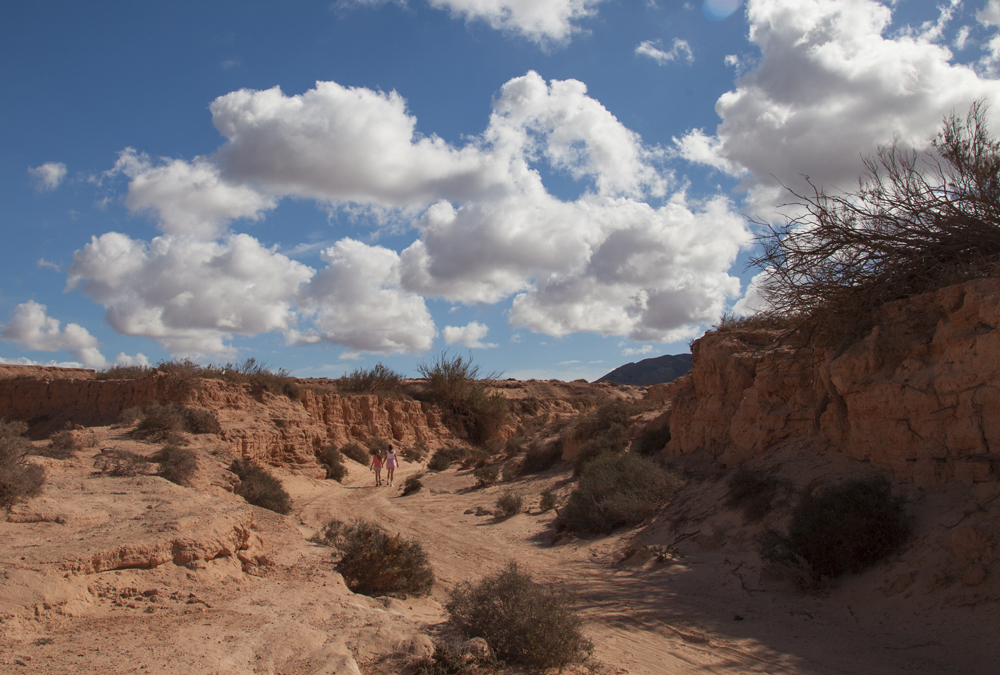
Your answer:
<point x="918" y="397"/>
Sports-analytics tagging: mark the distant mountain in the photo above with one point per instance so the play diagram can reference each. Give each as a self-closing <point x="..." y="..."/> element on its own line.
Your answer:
<point x="650" y="371"/>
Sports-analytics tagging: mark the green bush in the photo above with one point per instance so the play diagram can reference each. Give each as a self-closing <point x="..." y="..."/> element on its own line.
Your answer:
<point x="375" y="562"/>
<point x="522" y="621"/>
<point x="332" y="461"/>
<point x="177" y="465"/>
<point x="618" y="490"/>
<point x="540" y="457"/>
<point x="260" y="488"/>
<point x="486" y="475"/>
<point x="445" y="457"/>
<point x="19" y="480"/>
<point x="843" y="528"/>
<point x="610" y="441"/>
<point x="455" y="384"/>
<point x="754" y="492"/>
<point x="357" y="453"/>
<point x="509" y="504"/>
<point x="411" y="485"/>
<point x="377" y="380"/>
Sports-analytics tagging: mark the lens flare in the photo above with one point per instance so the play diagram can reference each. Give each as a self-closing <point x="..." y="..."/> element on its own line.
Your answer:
<point x="717" y="10"/>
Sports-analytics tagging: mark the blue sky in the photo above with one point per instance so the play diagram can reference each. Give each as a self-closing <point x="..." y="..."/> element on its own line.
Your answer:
<point x="556" y="186"/>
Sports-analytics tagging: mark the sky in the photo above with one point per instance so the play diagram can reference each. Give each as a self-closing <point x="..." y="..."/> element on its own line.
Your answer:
<point x="554" y="187"/>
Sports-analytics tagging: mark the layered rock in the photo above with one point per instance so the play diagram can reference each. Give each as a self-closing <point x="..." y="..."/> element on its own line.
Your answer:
<point x="919" y="396"/>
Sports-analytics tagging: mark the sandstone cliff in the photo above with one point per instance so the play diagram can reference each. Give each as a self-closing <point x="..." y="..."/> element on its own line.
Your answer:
<point x="918" y="397"/>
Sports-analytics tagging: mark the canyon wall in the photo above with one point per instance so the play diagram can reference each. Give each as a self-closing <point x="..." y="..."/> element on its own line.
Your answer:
<point x="918" y="397"/>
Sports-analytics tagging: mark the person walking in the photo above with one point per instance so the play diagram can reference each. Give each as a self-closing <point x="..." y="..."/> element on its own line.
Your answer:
<point x="376" y="466"/>
<point x="390" y="463"/>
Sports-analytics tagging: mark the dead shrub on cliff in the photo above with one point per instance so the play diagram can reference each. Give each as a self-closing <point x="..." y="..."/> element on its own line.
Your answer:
<point x="838" y="529"/>
<point x="125" y="372"/>
<point x="915" y="223"/>
<point x="456" y="384"/>
<point x="332" y="461"/>
<point x="19" y="479"/>
<point x="379" y="379"/>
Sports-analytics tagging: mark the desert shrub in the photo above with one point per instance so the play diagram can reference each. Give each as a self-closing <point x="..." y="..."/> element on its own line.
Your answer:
<point x="411" y="485"/>
<point x="843" y="528"/>
<point x="522" y="621"/>
<point x="540" y="456"/>
<point x="122" y="463"/>
<point x="130" y="416"/>
<point x="508" y="473"/>
<point x="652" y="440"/>
<point x="617" y="490"/>
<point x="378" y="379"/>
<point x="260" y="488"/>
<point x="333" y="462"/>
<point x="547" y="501"/>
<point x="19" y="480"/>
<point x="916" y="222"/>
<point x="175" y="417"/>
<point x="177" y="464"/>
<point x="610" y="414"/>
<point x="610" y="441"/>
<point x="62" y="445"/>
<point x="763" y="320"/>
<point x="475" y="458"/>
<point x="124" y="372"/>
<point x="754" y="492"/>
<point x="509" y="504"/>
<point x="331" y="534"/>
<point x="183" y="375"/>
<point x="486" y="475"/>
<point x="378" y="446"/>
<point x="356" y="452"/>
<point x="445" y="457"/>
<point x="416" y="452"/>
<point x="456" y="385"/>
<point x="448" y="660"/>
<point x="515" y="445"/>
<point x="375" y="562"/>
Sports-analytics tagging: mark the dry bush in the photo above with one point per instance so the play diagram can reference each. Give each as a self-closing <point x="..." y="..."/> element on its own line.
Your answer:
<point x="837" y="529"/>
<point x="610" y="441"/>
<point x="547" y="502"/>
<point x="376" y="562"/>
<point x="455" y="384"/>
<point x="523" y="622"/>
<point x="540" y="456"/>
<point x="260" y="488"/>
<point x="331" y="459"/>
<point x="652" y="440"/>
<point x="379" y="379"/>
<point x="125" y="372"/>
<point x="411" y="485"/>
<point x="755" y="492"/>
<point x="916" y="222"/>
<point x="416" y="452"/>
<point x="183" y="376"/>
<point x="62" y="445"/>
<point x="764" y="320"/>
<point x="446" y="456"/>
<point x="122" y="463"/>
<point x="451" y="660"/>
<point x="487" y="475"/>
<point x="378" y="446"/>
<point x="509" y="504"/>
<point x="332" y="534"/>
<point x="177" y="465"/>
<point x="19" y="480"/>
<point x="174" y="417"/>
<point x="130" y="416"/>
<point x="356" y="452"/>
<point x="618" y="490"/>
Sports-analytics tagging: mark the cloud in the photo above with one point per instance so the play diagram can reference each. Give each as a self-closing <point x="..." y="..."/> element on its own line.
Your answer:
<point x="356" y="301"/>
<point x="989" y="15"/>
<point x="680" y="48"/>
<point x="23" y="361"/>
<point x="48" y="176"/>
<point x="42" y="263"/>
<point x="124" y="359"/>
<point x="33" y="329"/>
<point x="190" y="295"/>
<point x="829" y="86"/>
<point x="637" y="351"/>
<point x="752" y="301"/>
<point x="470" y="335"/>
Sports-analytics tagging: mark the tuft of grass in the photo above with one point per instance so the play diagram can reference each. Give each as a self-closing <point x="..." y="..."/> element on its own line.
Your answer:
<point x="523" y="622"/>
<point x="618" y="490"/>
<point x="260" y="488"/>
<point x="839" y="529"/>
<point x="356" y="452"/>
<point x="177" y="465"/>
<point x="331" y="459"/>
<point x="509" y="504"/>
<point x="540" y="457"/>
<point x="411" y="485"/>
<point x="754" y="492"/>
<point x="376" y="562"/>
<point x="487" y="475"/>
<point x="19" y="479"/>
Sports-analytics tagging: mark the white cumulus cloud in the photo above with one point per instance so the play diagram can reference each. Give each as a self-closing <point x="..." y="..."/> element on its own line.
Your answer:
<point x="48" y="176"/>
<point x="679" y="49"/>
<point x="471" y="335"/>
<point x="33" y="329"/>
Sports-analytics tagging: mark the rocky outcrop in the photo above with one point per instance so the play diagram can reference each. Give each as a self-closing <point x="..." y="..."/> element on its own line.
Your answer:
<point x="918" y="397"/>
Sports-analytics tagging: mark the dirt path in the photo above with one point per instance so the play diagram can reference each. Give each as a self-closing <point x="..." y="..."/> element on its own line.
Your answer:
<point x="699" y="614"/>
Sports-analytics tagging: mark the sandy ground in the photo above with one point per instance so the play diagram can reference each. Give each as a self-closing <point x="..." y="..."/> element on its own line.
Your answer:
<point x="691" y="599"/>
